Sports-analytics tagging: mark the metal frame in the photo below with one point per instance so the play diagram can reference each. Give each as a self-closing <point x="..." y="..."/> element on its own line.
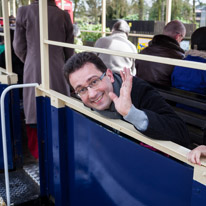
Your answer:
<point x="3" y="126"/>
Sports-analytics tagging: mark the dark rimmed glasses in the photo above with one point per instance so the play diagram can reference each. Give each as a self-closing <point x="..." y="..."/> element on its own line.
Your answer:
<point x="94" y="83"/>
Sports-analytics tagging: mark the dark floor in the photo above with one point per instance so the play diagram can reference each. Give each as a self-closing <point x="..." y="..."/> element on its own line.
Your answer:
<point x="22" y="187"/>
<point x="24" y="181"/>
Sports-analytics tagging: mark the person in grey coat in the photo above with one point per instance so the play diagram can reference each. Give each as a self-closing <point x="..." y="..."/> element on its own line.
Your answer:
<point x="118" y="41"/>
<point x="27" y="48"/>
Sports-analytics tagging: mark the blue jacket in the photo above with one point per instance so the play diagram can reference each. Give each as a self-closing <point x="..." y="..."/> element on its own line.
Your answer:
<point x="190" y="79"/>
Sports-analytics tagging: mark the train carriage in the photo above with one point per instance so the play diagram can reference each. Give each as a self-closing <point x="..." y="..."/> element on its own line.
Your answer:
<point x="87" y="159"/>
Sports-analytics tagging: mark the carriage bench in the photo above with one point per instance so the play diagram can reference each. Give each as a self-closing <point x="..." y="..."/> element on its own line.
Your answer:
<point x="194" y="116"/>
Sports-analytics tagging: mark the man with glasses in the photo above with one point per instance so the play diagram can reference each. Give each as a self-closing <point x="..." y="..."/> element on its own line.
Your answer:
<point x="123" y="97"/>
<point x="162" y="45"/>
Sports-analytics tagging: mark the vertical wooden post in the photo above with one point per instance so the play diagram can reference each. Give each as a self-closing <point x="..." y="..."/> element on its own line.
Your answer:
<point x="103" y="17"/>
<point x="62" y="4"/>
<point x="168" y="11"/>
<point x="7" y="41"/>
<point x="9" y="6"/>
<point x="14" y="8"/>
<point x="43" y="21"/>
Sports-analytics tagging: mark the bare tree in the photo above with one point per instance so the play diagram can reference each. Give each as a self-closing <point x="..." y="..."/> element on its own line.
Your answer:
<point x="193" y="12"/>
<point x="141" y="9"/>
<point x="117" y="9"/>
<point x="75" y="7"/>
<point x="94" y="9"/>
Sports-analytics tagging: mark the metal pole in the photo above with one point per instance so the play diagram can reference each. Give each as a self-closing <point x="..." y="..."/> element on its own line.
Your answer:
<point x="3" y="127"/>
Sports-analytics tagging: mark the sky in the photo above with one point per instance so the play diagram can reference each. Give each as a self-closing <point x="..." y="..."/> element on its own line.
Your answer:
<point x="203" y="1"/>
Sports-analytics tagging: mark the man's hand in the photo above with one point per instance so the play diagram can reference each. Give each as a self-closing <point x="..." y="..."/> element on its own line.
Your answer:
<point x="195" y="154"/>
<point x="123" y="103"/>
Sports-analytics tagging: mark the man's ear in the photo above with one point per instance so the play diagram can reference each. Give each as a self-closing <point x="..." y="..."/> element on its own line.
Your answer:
<point x="178" y="38"/>
<point x="110" y="75"/>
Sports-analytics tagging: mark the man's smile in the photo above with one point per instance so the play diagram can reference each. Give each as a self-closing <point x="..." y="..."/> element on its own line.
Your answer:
<point x="99" y="98"/>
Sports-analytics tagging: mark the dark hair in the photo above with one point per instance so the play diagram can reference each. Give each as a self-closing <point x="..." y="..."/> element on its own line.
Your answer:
<point x="77" y="61"/>
<point x="198" y="39"/>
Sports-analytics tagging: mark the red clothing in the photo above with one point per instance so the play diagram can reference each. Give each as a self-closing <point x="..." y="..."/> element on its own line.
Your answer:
<point x="32" y="141"/>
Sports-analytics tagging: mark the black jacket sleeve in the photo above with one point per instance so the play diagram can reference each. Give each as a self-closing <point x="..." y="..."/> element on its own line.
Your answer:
<point x="164" y="124"/>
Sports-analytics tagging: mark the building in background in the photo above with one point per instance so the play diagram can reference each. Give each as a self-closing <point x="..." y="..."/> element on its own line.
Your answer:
<point x="201" y="15"/>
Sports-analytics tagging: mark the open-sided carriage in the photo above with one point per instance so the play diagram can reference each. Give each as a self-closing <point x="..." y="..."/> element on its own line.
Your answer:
<point x="86" y="159"/>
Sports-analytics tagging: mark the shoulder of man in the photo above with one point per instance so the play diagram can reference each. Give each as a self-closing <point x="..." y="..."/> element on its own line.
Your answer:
<point x="101" y="41"/>
<point x="140" y="85"/>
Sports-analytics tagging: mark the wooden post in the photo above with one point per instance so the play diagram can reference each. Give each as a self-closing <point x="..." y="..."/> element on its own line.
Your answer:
<point x="14" y="8"/>
<point x="62" y="4"/>
<point x="7" y="41"/>
<point x="168" y="11"/>
<point x="43" y="20"/>
<point x="103" y="17"/>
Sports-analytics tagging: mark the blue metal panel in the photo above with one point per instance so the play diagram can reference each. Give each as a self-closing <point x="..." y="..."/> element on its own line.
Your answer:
<point x="8" y="132"/>
<point x="59" y="139"/>
<point x="49" y="151"/>
<point x="112" y="170"/>
<point x="84" y="163"/>
<point x="45" y="146"/>
<point x="70" y="160"/>
<point x="198" y="194"/>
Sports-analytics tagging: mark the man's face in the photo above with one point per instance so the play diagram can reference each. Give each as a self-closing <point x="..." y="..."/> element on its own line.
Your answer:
<point x="98" y="97"/>
<point x="180" y="36"/>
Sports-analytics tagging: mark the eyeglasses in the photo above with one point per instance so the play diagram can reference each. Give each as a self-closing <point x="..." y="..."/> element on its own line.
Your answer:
<point x="182" y="36"/>
<point x="179" y="34"/>
<point x="94" y="83"/>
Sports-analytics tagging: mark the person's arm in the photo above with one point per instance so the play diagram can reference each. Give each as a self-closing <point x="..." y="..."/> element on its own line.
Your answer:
<point x="124" y="106"/>
<point x="194" y="155"/>
<point x="19" y="42"/>
<point x="99" y="42"/>
<point x="138" y="118"/>
<point x="164" y="123"/>
<point x="153" y="116"/>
